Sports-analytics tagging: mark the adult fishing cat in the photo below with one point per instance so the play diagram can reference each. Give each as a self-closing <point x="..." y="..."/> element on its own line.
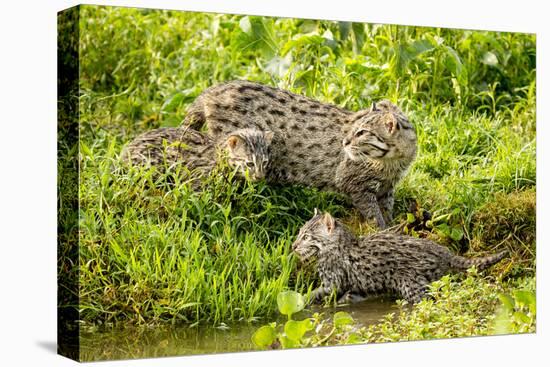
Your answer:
<point x="360" y="154"/>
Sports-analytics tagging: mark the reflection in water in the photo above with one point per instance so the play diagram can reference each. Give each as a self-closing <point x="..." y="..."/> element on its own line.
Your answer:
<point x="163" y="341"/>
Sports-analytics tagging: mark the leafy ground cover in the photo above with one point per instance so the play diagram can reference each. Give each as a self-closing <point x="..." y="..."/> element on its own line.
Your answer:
<point x="153" y="251"/>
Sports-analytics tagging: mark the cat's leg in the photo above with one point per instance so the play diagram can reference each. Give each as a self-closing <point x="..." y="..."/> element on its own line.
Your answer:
<point x="413" y="290"/>
<point x="386" y="205"/>
<point x="321" y="292"/>
<point x="367" y="204"/>
<point x="353" y="297"/>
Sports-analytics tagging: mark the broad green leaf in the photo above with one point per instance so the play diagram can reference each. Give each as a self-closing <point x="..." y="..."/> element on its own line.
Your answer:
<point x="245" y="25"/>
<point x="526" y="298"/>
<point x="342" y="318"/>
<point x="264" y="336"/>
<point x="296" y="329"/>
<point x="344" y="28"/>
<point x="520" y="317"/>
<point x="419" y="46"/>
<point x="328" y="35"/>
<point x="358" y="35"/>
<point x="453" y="63"/>
<point x="290" y="302"/>
<point x="255" y="33"/>
<point x="278" y="66"/>
<point x="456" y="233"/>
<point x="507" y="301"/>
<point x="301" y="40"/>
<point x="502" y="322"/>
<point x="288" y="343"/>
<point x="406" y="53"/>
<point x="490" y="59"/>
<point x="329" y="39"/>
<point x="354" y="338"/>
<point x="411" y="218"/>
<point x="173" y="102"/>
<point x="444" y="228"/>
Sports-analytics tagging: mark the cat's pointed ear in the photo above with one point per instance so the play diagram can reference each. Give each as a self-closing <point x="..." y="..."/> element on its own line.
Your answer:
<point x="391" y="122"/>
<point x="233" y="141"/>
<point x="329" y="222"/>
<point x="373" y="107"/>
<point x="268" y="136"/>
<point x="315" y="212"/>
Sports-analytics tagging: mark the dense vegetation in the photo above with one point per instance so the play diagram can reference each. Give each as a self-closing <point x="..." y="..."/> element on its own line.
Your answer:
<point x="152" y="250"/>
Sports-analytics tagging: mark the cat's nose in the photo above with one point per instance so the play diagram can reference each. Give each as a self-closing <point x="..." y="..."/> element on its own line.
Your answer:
<point x="259" y="174"/>
<point x="346" y="141"/>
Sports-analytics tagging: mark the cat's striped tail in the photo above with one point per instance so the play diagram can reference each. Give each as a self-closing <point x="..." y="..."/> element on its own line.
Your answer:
<point x="462" y="263"/>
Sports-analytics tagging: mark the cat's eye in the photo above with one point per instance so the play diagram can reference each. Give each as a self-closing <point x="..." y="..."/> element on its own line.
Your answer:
<point x="249" y="164"/>
<point x="360" y="133"/>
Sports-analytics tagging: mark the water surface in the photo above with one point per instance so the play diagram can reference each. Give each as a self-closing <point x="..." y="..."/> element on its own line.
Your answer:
<point x="163" y="341"/>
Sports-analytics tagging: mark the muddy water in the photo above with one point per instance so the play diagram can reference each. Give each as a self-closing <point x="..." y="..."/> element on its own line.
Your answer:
<point x="129" y="343"/>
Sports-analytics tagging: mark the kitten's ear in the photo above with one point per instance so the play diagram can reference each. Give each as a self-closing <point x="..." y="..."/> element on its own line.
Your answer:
<point x="373" y="107"/>
<point x="315" y="212"/>
<point x="329" y="222"/>
<point x="233" y="141"/>
<point x="390" y="122"/>
<point x="268" y="136"/>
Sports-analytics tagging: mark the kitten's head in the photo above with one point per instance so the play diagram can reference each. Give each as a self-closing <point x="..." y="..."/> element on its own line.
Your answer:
<point x="321" y="235"/>
<point x="384" y="132"/>
<point x="248" y="151"/>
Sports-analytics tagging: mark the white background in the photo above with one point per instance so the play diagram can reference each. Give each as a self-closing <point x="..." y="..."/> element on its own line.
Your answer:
<point x="28" y="181"/>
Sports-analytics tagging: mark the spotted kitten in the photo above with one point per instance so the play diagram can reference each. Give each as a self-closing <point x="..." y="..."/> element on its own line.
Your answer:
<point x="308" y="136"/>
<point x="246" y="150"/>
<point x="376" y="264"/>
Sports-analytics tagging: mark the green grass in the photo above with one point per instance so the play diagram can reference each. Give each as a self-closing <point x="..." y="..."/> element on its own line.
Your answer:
<point x="153" y="251"/>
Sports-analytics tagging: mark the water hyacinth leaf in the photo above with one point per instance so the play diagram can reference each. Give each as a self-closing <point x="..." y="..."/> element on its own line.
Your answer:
<point x="354" y="338"/>
<point x="342" y="318"/>
<point x="526" y="298"/>
<point x="264" y="336"/>
<point x="296" y="329"/>
<point x="521" y="317"/>
<point x="290" y="302"/>
<point x="288" y="343"/>
<point x="502" y="323"/>
<point x="507" y="301"/>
